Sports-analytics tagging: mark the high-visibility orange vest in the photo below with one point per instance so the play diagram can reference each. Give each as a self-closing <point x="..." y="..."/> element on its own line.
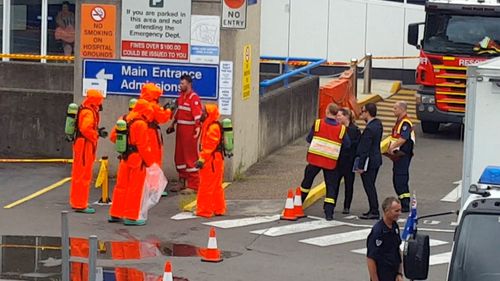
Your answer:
<point x="324" y="149"/>
<point x="396" y="130"/>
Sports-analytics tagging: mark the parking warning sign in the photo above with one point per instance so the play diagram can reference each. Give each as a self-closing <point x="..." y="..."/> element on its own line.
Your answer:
<point x="156" y="30"/>
<point x="234" y="14"/>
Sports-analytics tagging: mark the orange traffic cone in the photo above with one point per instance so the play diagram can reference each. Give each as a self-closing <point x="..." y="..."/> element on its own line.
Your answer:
<point x="211" y="253"/>
<point x="297" y="204"/>
<point x="167" y="275"/>
<point x="289" y="212"/>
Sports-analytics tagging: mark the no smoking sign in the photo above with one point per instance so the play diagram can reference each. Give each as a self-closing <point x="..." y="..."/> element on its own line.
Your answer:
<point x="98" y="14"/>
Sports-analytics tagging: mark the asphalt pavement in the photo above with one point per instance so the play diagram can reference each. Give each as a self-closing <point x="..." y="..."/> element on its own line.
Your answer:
<point x="257" y="245"/>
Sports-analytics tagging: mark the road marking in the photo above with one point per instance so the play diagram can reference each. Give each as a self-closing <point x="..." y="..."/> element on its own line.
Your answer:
<point x="297" y="228"/>
<point x="243" y="222"/>
<point x="339" y="238"/>
<point x="189" y="207"/>
<point x="432" y="243"/>
<point x="184" y="216"/>
<point x="402" y="221"/>
<point x="454" y="223"/>
<point x="455" y="194"/>
<point x="431" y="222"/>
<point x="440" y="258"/>
<point x="38" y="193"/>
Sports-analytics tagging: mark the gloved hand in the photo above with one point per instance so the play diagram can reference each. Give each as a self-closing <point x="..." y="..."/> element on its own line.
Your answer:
<point x="172" y="105"/>
<point x="170" y="130"/>
<point x="199" y="163"/>
<point x="68" y="138"/>
<point x="102" y="132"/>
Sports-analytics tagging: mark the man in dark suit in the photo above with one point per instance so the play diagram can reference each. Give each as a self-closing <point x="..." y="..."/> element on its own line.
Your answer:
<point x="370" y="157"/>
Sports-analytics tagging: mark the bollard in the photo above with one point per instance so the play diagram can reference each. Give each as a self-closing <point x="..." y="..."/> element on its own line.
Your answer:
<point x="354" y="68"/>
<point x="102" y="181"/>
<point x="92" y="257"/>
<point x="65" y="246"/>
<point x="367" y="75"/>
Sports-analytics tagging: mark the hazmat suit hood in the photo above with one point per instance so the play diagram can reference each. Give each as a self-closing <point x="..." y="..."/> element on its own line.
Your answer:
<point x="212" y="111"/>
<point x="143" y="109"/>
<point x="150" y="92"/>
<point x="94" y="99"/>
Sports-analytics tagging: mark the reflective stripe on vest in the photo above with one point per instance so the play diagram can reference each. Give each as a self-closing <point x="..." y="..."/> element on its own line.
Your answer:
<point x="324" y="147"/>
<point x="404" y="195"/>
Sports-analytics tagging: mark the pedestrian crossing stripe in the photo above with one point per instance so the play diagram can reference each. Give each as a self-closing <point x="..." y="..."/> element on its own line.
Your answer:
<point x="338" y="238"/>
<point x="243" y="222"/>
<point x="297" y="228"/>
<point x="440" y="258"/>
<point x="432" y="243"/>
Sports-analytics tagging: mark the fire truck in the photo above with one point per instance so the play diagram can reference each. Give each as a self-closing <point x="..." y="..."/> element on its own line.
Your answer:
<point x="456" y="33"/>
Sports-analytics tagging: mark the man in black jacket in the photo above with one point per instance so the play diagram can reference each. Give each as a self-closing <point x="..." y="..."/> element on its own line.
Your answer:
<point x="370" y="157"/>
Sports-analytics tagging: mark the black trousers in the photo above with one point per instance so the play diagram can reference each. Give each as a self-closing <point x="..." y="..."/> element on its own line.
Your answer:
<point x="400" y="179"/>
<point x="349" y="176"/>
<point x="369" y="177"/>
<point x="332" y="189"/>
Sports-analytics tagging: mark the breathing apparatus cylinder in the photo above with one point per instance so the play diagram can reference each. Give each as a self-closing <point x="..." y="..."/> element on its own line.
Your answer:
<point x="227" y="127"/>
<point x="131" y="104"/>
<point x="121" y="136"/>
<point x="70" y="126"/>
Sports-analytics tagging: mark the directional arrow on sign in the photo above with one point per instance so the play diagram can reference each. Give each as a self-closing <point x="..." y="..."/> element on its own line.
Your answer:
<point x="102" y="75"/>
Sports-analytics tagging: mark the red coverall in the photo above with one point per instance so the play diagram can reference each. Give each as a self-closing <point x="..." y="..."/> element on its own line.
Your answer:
<point x="210" y="198"/>
<point x="151" y="93"/>
<point x="84" y="149"/>
<point x="127" y="194"/>
<point x="187" y="116"/>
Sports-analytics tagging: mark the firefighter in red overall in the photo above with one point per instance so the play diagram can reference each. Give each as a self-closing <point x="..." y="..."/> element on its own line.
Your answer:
<point x="187" y="125"/>
<point x="326" y="138"/>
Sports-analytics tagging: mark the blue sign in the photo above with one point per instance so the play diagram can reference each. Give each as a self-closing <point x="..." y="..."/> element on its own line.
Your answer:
<point x="127" y="77"/>
<point x="252" y="2"/>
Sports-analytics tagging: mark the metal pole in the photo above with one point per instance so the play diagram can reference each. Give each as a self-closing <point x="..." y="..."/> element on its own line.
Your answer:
<point x="92" y="257"/>
<point x="65" y="245"/>
<point x="367" y="75"/>
<point x="354" y="68"/>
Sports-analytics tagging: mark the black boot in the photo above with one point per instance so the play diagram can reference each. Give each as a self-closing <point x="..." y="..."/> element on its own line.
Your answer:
<point x="405" y="205"/>
<point x="329" y="210"/>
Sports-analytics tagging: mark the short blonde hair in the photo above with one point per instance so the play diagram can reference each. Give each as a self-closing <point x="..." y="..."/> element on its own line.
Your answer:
<point x="333" y="109"/>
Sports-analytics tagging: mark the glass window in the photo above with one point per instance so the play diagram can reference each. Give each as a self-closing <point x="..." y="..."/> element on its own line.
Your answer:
<point x="25" y="31"/>
<point x="476" y="255"/>
<point x="61" y="27"/>
<point x="459" y="34"/>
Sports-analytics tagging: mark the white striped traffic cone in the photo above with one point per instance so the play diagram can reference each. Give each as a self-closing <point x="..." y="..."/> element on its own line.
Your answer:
<point x="211" y="253"/>
<point x="289" y="212"/>
<point x="167" y="274"/>
<point x="297" y="204"/>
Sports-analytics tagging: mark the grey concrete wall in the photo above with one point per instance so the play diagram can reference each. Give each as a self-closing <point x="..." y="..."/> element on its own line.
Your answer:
<point x="32" y="123"/>
<point x="287" y="113"/>
<point x="36" y="76"/>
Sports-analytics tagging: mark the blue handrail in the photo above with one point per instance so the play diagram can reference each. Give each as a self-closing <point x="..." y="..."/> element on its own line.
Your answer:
<point x="284" y="77"/>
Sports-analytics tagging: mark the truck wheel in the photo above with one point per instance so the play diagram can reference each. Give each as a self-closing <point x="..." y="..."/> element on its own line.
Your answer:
<point x="430" y="127"/>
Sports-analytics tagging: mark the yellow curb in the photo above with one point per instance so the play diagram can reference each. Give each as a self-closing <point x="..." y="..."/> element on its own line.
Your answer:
<point x="190" y="206"/>
<point x="373" y="98"/>
<point x="38" y="193"/>
<point x="319" y="191"/>
<point x="396" y="86"/>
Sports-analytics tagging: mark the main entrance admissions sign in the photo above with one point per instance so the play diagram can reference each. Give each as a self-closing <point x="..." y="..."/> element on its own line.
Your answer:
<point x="156" y="30"/>
<point x="128" y="77"/>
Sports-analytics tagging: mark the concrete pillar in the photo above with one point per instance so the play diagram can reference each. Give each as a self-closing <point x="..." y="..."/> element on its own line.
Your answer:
<point x="245" y="113"/>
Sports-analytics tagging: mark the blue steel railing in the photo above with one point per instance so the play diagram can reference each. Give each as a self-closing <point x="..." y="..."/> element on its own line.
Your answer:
<point x="285" y="76"/>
